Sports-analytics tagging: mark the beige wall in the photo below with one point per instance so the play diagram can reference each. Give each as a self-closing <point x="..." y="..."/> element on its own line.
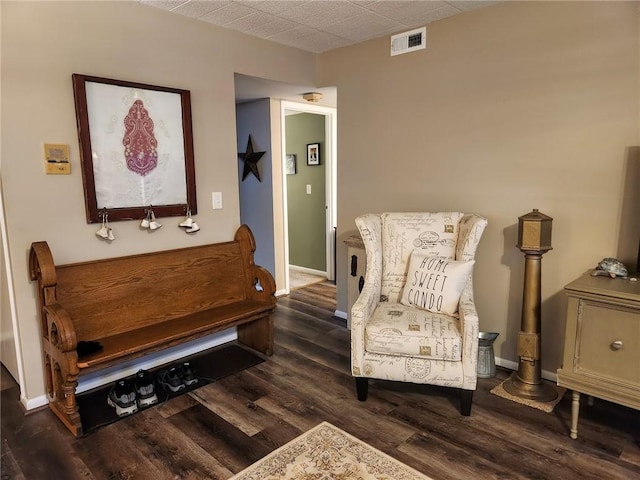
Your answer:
<point x="512" y="107"/>
<point x="42" y="45"/>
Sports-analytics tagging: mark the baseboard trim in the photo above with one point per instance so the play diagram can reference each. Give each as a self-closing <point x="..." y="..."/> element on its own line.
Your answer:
<point x="341" y="314"/>
<point x="282" y="292"/>
<point x="34" y="403"/>
<point x="511" y="365"/>
<point x="310" y="271"/>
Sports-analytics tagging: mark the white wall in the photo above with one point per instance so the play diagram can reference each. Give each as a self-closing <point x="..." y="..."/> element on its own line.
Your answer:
<point x="8" y="353"/>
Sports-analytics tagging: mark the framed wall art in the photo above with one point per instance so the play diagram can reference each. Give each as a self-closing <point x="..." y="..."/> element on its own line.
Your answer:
<point x="136" y="148"/>
<point x="313" y="154"/>
<point x="290" y="164"/>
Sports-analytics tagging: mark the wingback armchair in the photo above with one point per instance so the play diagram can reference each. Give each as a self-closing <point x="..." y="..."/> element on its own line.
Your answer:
<point x="415" y="319"/>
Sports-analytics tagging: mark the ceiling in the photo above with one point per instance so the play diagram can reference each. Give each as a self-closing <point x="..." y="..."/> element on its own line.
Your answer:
<point x="252" y="88"/>
<point x="315" y="26"/>
<point x="318" y="25"/>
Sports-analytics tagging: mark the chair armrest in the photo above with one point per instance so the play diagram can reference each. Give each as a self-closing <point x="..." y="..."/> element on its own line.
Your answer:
<point x="469" y="325"/>
<point x="360" y="314"/>
<point x="364" y="306"/>
<point x="370" y="228"/>
<point x="471" y="229"/>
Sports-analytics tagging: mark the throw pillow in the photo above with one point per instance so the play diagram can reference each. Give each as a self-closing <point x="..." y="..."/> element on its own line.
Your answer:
<point x="435" y="283"/>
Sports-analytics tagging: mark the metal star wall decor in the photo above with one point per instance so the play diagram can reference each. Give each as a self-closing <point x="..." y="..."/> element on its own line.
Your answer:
<point x="250" y="159"/>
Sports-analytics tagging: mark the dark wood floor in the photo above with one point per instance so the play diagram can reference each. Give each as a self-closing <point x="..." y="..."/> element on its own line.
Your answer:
<point x="220" y="429"/>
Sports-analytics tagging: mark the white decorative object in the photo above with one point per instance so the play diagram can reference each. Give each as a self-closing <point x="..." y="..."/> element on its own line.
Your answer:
<point x="105" y="231"/>
<point x="189" y="224"/>
<point x="435" y="283"/>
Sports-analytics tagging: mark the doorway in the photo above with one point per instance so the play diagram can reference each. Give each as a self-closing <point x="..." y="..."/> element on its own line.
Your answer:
<point x="261" y="107"/>
<point x="309" y="189"/>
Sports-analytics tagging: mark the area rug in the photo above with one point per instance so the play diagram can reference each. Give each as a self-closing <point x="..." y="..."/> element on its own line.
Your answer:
<point x="544" y="406"/>
<point x="327" y="453"/>
<point x="209" y="365"/>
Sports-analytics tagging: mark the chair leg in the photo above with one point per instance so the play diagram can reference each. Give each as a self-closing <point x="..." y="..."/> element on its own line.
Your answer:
<point x="362" y="387"/>
<point x="466" y="396"/>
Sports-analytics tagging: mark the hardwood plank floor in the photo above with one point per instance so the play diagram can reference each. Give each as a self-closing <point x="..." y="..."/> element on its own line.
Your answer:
<point x="221" y="428"/>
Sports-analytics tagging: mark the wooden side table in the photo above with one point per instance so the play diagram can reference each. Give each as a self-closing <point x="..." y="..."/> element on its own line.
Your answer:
<point x="356" y="268"/>
<point x="602" y="342"/>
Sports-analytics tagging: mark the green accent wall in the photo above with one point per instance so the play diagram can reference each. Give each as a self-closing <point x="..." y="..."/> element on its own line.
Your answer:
<point x="306" y="212"/>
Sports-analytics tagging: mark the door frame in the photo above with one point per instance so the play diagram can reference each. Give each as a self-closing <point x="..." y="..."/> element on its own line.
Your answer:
<point x="331" y="179"/>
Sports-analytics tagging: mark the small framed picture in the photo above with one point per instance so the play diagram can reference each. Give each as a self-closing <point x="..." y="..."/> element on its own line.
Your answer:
<point x="313" y="154"/>
<point x="290" y="164"/>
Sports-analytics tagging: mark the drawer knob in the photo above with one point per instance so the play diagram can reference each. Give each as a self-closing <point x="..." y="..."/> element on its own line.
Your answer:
<point x="617" y="345"/>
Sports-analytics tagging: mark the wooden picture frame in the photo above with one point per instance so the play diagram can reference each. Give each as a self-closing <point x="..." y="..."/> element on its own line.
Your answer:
<point x="313" y="154"/>
<point x="136" y="148"/>
<point x="290" y="164"/>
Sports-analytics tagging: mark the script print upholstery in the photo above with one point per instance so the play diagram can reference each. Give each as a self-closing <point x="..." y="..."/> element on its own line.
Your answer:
<point x="396" y="329"/>
<point x="456" y="236"/>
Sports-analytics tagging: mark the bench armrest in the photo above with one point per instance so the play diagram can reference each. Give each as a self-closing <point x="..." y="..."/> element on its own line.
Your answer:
<point x="41" y="266"/>
<point x="254" y="274"/>
<point x="60" y="330"/>
<point x="264" y="286"/>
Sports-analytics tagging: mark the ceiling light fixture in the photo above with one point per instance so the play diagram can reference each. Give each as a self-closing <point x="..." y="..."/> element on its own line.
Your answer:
<point x="313" y="97"/>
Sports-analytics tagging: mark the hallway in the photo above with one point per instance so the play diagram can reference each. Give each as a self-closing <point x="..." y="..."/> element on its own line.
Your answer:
<point x="299" y="279"/>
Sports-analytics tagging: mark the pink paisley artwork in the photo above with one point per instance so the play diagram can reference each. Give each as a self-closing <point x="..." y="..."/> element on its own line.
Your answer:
<point x="140" y="145"/>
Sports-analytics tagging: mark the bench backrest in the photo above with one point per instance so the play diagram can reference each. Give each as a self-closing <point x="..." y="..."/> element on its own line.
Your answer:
<point x="117" y="295"/>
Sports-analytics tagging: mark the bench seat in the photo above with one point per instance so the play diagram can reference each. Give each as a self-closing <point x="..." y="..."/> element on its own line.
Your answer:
<point x="140" y="304"/>
<point x="173" y="332"/>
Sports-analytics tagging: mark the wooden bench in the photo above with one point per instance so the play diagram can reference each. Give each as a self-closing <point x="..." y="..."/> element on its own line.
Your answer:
<point x="139" y="304"/>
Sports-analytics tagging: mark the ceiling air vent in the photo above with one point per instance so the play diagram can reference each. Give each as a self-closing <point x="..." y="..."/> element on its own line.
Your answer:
<point x="409" y="41"/>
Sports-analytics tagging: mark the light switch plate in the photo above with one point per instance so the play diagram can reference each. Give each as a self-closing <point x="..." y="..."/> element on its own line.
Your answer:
<point x="217" y="200"/>
<point x="308" y="189"/>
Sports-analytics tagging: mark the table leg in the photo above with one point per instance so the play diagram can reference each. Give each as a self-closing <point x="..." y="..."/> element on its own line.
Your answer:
<point x="575" y="411"/>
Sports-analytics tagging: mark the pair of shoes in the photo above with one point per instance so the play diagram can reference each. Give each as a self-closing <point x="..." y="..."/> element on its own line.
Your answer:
<point x="177" y="377"/>
<point x="122" y="397"/>
<point x="189" y="225"/>
<point x="145" y="389"/>
<point x="150" y="221"/>
<point x="193" y="228"/>
<point x="127" y="397"/>
<point x="105" y="231"/>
